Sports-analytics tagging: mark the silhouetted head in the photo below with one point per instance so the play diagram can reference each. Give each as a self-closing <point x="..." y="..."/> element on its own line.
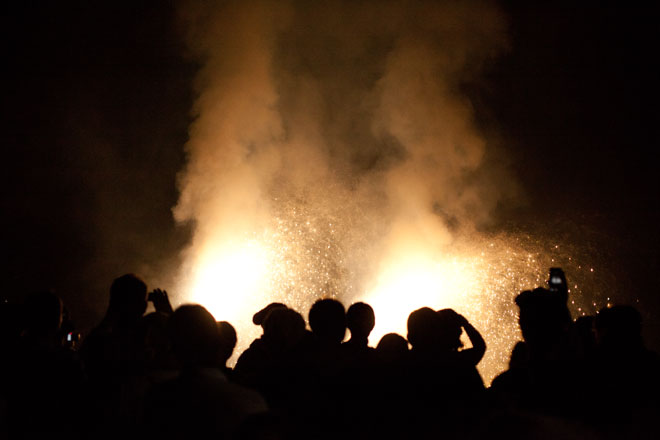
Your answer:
<point x="423" y="328"/>
<point x="619" y="327"/>
<point x="128" y="298"/>
<point x="544" y="318"/>
<point x="260" y="316"/>
<point x="360" y="320"/>
<point x="227" y="339"/>
<point x="283" y="329"/>
<point x="449" y="330"/>
<point x="392" y="347"/>
<point x="43" y="313"/>
<point x="194" y="335"/>
<point x="327" y="320"/>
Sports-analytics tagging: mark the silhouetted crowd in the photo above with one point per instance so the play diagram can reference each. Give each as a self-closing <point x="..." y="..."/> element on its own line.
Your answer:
<point x="165" y="374"/>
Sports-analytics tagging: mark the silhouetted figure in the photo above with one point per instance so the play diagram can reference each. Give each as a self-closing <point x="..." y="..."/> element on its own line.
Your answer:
<point x="166" y="373"/>
<point x="550" y="377"/>
<point x="452" y="326"/>
<point x="276" y="365"/>
<point x="228" y="340"/>
<point x="253" y="361"/>
<point x="360" y="378"/>
<point x="327" y="319"/>
<point x="389" y="399"/>
<point x="619" y="330"/>
<point x="110" y="349"/>
<point x="157" y="356"/>
<point x="360" y="320"/>
<point x="283" y="331"/>
<point x="260" y="317"/>
<point x="519" y="356"/>
<point x="155" y="363"/>
<point x="440" y="375"/>
<point x="509" y="386"/>
<point x="201" y="401"/>
<point x="392" y="348"/>
<point x="584" y="338"/>
<point x="544" y="322"/>
<point x="325" y="364"/>
<point x="625" y="381"/>
<point x="113" y="358"/>
<point x="423" y="329"/>
<point x="45" y="378"/>
<point x="272" y="363"/>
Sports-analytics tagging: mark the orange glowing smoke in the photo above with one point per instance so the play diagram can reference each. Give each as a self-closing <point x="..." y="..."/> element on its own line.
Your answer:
<point x="333" y="153"/>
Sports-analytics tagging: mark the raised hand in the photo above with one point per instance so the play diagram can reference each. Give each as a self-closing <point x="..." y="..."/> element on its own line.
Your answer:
<point x="161" y="301"/>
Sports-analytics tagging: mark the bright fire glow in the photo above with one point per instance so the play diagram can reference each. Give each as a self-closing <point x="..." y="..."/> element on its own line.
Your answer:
<point x="230" y="281"/>
<point x="477" y="279"/>
<point x="412" y="283"/>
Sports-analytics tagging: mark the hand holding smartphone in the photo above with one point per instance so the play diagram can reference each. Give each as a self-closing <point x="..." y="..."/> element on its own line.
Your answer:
<point x="557" y="282"/>
<point x="160" y="300"/>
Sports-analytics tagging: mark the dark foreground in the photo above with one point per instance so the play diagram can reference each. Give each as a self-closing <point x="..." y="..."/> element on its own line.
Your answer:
<point x="164" y="374"/>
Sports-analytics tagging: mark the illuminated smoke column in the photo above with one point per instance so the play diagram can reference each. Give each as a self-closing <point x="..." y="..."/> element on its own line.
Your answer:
<point x="334" y="154"/>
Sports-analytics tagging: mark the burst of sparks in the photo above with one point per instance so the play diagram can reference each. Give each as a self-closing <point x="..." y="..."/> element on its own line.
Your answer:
<point x="301" y="259"/>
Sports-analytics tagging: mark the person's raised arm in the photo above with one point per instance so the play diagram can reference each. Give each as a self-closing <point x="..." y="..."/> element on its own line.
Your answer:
<point x="476" y="353"/>
<point x="161" y="301"/>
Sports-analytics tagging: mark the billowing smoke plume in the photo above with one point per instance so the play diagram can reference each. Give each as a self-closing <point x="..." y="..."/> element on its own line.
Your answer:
<point x="331" y="138"/>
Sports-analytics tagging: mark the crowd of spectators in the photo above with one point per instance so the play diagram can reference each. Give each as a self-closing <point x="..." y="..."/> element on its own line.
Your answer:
<point x="165" y="374"/>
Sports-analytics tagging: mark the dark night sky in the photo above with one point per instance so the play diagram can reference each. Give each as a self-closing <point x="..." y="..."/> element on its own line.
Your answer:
<point x="97" y="103"/>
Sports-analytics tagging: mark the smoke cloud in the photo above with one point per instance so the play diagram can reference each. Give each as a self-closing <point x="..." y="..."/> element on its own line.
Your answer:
<point x="337" y="136"/>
